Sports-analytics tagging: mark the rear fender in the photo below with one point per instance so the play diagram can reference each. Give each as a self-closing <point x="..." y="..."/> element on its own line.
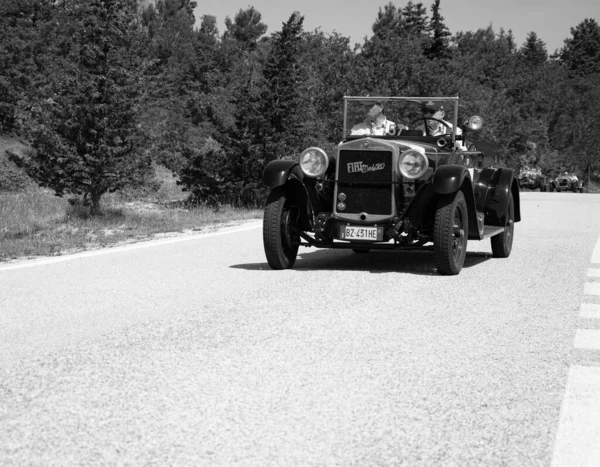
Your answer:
<point x="493" y="190"/>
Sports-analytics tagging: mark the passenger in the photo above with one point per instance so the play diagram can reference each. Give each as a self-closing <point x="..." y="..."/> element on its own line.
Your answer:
<point x="375" y="124"/>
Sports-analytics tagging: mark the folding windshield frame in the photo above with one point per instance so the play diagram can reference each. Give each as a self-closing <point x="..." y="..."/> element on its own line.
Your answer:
<point x="419" y="100"/>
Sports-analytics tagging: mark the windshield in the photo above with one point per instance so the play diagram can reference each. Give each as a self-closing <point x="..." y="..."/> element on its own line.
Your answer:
<point x="389" y="116"/>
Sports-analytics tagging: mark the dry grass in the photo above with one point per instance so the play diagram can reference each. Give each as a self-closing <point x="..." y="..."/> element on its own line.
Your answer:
<point x="36" y="223"/>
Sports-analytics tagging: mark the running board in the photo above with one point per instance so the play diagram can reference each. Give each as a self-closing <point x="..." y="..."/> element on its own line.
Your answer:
<point x="491" y="230"/>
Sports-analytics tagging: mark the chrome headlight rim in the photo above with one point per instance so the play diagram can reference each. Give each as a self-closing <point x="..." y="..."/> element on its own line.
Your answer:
<point x="315" y="166"/>
<point x="422" y="167"/>
<point x="475" y="123"/>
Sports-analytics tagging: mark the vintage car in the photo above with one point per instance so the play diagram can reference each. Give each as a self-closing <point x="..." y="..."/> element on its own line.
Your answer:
<point x="567" y="182"/>
<point x="410" y="188"/>
<point x="532" y="179"/>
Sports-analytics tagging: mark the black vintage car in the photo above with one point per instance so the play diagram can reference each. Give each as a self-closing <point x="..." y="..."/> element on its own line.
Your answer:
<point x="411" y="185"/>
<point x="567" y="182"/>
<point x="532" y="178"/>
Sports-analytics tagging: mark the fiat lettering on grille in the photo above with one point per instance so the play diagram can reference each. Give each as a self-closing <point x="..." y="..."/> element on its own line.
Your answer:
<point x="361" y="167"/>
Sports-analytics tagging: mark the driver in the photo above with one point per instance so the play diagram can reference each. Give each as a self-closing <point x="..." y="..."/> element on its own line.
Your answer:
<point x="375" y="123"/>
<point x="433" y="116"/>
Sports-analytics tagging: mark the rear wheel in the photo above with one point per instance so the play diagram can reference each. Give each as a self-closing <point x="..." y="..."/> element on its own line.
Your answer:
<point x="450" y="233"/>
<point x="280" y="227"/>
<point x="502" y="243"/>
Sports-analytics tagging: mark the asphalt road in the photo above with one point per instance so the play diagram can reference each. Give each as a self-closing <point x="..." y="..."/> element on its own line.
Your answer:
<point x="193" y="352"/>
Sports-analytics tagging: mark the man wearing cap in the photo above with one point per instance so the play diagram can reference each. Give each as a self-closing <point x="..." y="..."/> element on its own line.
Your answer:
<point x="375" y="124"/>
<point x="433" y="114"/>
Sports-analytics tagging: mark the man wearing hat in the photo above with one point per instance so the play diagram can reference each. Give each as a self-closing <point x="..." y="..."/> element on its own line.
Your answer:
<point x="433" y="111"/>
<point x="375" y="124"/>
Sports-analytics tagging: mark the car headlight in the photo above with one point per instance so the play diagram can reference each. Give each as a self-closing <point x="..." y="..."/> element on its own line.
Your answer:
<point x="314" y="162"/>
<point x="475" y="122"/>
<point x="413" y="164"/>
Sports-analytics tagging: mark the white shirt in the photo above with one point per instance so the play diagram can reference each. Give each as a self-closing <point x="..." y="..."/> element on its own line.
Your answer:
<point x="370" y="128"/>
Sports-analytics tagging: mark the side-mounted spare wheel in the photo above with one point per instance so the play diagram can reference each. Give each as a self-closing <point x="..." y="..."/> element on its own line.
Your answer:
<point x="502" y="243"/>
<point x="450" y="233"/>
<point x="280" y="226"/>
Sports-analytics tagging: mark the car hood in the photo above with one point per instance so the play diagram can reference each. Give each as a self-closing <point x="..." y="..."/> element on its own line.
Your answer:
<point x="569" y="178"/>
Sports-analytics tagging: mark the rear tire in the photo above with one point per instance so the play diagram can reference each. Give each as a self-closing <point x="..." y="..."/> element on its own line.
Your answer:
<point x="280" y="240"/>
<point x="450" y="233"/>
<point x="502" y="243"/>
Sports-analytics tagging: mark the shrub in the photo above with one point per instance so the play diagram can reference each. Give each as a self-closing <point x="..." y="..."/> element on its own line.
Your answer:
<point x="12" y="178"/>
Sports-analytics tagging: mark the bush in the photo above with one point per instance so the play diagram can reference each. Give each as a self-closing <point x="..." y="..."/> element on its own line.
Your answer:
<point x="12" y="178"/>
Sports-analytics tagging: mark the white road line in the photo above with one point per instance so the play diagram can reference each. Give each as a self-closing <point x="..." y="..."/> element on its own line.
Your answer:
<point x="591" y="288"/>
<point x="589" y="310"/>
<point x="134" y="246"/>
<point x="578" y="436"/>
<point x="587" y="339"/>
<point x="593" y="272"/>
<point x="596" y="253"/>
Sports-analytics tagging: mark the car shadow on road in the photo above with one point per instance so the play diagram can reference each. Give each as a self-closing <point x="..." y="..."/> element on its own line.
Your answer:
<point x="375" y="262"/>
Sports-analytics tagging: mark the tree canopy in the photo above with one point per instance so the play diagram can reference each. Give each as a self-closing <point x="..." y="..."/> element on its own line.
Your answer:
<point x="104" y="88"/>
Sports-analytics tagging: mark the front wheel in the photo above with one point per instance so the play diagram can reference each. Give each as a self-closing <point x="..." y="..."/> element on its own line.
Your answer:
<point x="450" y="233"/>
<point x="502" y="243"/>
<point x="280" y="225"/>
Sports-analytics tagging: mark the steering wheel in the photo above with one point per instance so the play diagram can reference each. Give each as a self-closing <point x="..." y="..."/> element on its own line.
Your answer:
<point x="424" y="120"/>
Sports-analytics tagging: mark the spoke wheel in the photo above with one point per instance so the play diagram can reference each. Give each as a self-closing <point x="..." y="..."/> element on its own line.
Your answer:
<point x="502" y="243"/>
<point x="450" y="233"/>
<point x="280" y="226"/>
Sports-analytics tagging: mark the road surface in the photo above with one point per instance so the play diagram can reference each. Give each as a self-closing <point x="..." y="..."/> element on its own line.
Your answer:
<point x="191" y="351"/>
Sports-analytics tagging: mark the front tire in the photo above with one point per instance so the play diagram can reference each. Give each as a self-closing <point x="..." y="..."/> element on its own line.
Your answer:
<point x="502" y="243"/>
<point x="450" y="233"/>
<point x="280" y="238"/>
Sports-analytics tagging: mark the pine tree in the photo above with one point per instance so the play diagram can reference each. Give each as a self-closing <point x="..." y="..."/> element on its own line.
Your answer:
<point x="281" y="100"/>
<point x="84" y="128"/>
<point x="581" y="52"/>
<point x="246" y="28"/>
<point x="440" y="35"/>
<point x="534" y="49"/>
<point x="414" y="19"/>
<point x="388" y="22"/>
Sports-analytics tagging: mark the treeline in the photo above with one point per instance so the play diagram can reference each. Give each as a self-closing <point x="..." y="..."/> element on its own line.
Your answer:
<point x="104" y="89"/>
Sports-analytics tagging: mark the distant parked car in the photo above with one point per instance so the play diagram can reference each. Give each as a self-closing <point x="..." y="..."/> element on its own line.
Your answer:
<point x="567" y="182"/>
<point x="532" y="178"/>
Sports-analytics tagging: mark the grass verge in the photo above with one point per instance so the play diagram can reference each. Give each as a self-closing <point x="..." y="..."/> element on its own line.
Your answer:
<point x="36" y="223"/>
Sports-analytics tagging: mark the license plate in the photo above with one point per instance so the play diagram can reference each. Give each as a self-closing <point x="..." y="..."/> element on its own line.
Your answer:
<point x="355" y="232"/>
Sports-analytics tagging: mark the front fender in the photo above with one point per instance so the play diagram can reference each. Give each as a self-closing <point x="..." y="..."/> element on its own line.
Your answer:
<point x="277" y="173"/>
<point x="449" y="178"/>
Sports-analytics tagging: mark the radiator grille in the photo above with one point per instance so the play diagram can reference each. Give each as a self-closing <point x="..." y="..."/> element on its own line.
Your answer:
<point x="365" y="178"/>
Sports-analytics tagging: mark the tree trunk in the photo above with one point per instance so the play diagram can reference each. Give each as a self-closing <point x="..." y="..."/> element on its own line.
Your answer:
<point x="95" y="202"/>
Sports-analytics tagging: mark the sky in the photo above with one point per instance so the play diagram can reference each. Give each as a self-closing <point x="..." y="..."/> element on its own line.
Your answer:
<point x="551" y="20"/>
